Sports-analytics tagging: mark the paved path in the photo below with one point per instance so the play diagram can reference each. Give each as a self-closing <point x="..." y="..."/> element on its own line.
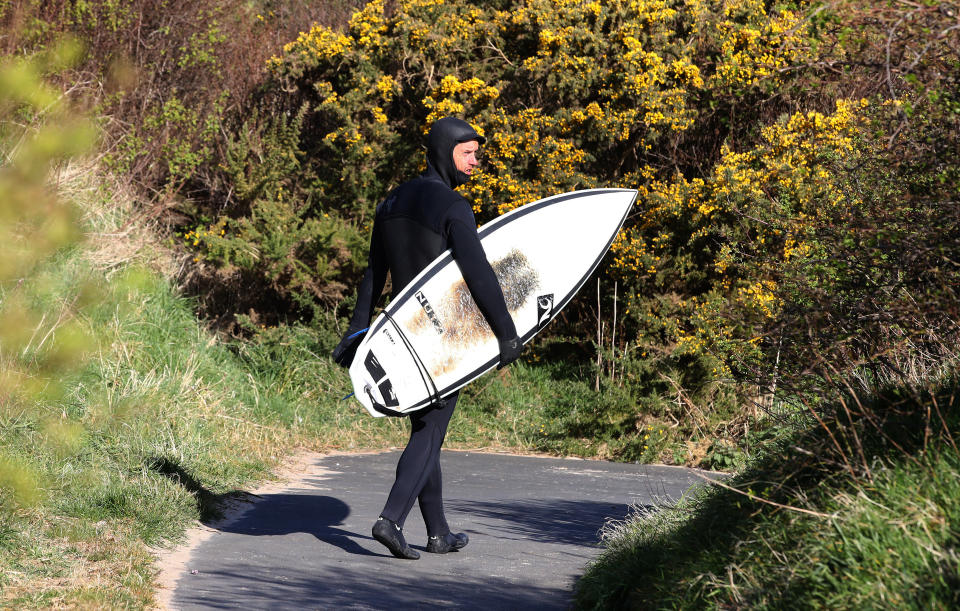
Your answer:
<point x="533" y="524"/>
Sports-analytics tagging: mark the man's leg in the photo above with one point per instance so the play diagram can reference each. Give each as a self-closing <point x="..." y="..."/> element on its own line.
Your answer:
<point x="431" y="496"/>
<point x="418" y="462"/>
<point x="418" y="465"/>
<point x="439" y="538"/>
<point x="431" y="503"/>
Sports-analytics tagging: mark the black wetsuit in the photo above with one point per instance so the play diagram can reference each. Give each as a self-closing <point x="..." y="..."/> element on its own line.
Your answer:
<point x="416" y="223"/>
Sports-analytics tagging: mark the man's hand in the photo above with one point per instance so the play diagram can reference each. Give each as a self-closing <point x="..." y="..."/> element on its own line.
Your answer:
<point x="509" y="351"/>
<point x="347" y="348"/>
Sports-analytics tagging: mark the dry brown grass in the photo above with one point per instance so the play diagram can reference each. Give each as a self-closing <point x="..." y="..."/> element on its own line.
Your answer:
<point x="116" y="232"/>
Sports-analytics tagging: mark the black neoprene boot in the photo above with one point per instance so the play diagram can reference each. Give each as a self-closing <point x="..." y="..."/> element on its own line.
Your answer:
<point x="389" y="534"/>
<point x="447" y="543"/>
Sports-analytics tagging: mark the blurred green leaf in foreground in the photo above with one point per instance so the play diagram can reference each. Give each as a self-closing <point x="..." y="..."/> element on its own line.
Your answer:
<point x="42" y="339"/>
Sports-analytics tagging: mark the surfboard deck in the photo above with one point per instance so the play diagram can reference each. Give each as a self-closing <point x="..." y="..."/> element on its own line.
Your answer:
<point x="431" y="340"/>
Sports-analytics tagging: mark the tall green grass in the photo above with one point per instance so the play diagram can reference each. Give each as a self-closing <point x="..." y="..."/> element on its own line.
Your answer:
<point x="166" y="420"/>
<point x="808" y="525"/>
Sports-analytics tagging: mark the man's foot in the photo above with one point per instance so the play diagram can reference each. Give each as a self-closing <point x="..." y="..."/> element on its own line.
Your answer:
<point x="389" y="534"/>
<point x="446" y="543"/>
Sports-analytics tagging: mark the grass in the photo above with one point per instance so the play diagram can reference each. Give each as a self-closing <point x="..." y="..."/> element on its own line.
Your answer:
<point x="798" y="529"/>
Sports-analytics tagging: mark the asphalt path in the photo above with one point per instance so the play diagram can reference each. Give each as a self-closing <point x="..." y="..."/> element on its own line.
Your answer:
<point x="534" y="524"/>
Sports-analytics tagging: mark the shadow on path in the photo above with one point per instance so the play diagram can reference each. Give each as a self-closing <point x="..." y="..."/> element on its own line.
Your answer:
<point x="284" y="514"/>
<point x="534" y="523"/>
<point x="548" y="520"/>
<point x="210" y="506"/>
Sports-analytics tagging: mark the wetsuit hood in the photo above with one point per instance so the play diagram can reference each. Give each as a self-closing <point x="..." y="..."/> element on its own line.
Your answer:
<point x="446" y="134"/>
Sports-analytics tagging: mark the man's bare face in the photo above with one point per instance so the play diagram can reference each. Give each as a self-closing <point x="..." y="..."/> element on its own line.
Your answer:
<point x="465" y="156"/>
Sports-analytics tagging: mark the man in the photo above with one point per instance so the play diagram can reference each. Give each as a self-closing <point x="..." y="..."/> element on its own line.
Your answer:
<point x="418" y="221"/>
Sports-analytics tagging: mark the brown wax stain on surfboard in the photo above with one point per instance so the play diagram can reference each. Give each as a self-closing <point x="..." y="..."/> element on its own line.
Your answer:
<point x="463" y="323"/>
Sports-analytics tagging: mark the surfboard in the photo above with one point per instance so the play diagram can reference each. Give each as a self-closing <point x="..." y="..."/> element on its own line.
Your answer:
<point x="432" y="340"/>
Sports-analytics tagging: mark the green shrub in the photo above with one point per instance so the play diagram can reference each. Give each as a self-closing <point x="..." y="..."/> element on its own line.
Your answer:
<point x="571" y="95"/>
<point x="754" y="227"/>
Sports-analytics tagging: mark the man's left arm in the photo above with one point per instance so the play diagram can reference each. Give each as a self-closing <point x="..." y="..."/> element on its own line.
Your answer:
<point x="368" y="294"/>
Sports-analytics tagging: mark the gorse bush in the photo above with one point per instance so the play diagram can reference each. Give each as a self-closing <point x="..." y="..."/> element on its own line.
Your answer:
<point x="714" y="249"/>
<point x="766" y="190"/>
<point x="772" y="143"/>
<point x="570" y="95"/>
<point x="852" y="215"/>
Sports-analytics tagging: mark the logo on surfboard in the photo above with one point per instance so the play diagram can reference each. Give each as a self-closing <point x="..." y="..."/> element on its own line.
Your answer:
<point x="376" y="370"/>
<point x="428" y="309"/>
<point x="544" y="309"/>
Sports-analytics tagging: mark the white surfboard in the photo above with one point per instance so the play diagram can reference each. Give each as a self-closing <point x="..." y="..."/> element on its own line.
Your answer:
<point x="432" y="339"/>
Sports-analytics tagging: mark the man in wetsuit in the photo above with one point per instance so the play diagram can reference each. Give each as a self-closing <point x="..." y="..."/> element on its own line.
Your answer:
<point x="418" y="221"/>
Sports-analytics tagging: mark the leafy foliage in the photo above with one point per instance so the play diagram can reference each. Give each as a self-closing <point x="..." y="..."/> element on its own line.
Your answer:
<point x="41" y="338"/>
<point x="765" y="180"/>
<point x="768" y="140"/>
<point x="570" y="95"/>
